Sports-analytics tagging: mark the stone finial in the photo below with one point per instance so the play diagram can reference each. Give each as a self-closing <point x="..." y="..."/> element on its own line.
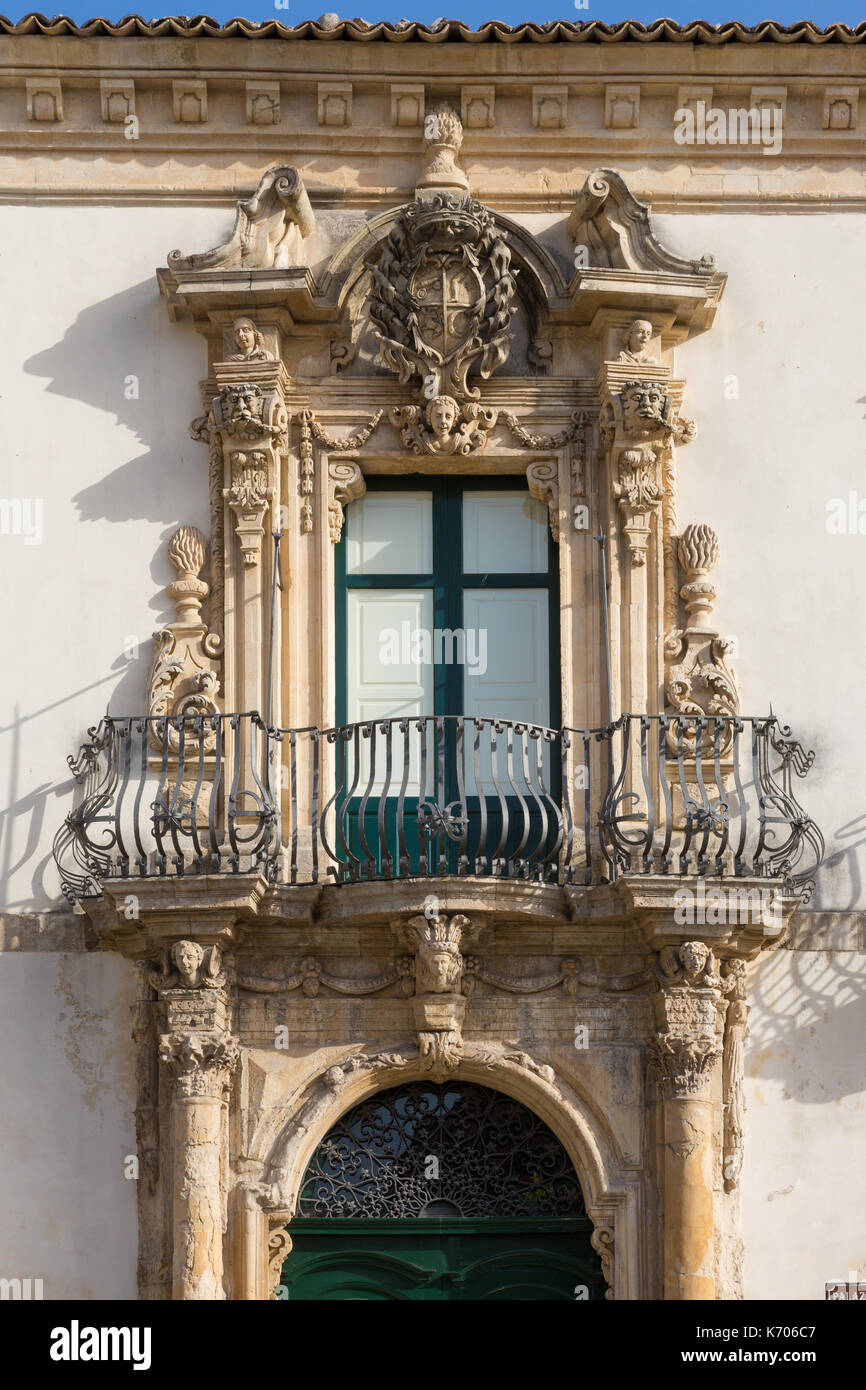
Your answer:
<point x="187" y="551"/>
<point x="443" y="136"/>
<point x="698" y="554"/>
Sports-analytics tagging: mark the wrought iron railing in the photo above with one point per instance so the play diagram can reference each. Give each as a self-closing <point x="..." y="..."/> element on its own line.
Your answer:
<point x="436" y="795"/>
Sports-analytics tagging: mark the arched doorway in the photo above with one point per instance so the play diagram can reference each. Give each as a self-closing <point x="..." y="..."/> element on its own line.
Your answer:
<point x="441" y="1192"/>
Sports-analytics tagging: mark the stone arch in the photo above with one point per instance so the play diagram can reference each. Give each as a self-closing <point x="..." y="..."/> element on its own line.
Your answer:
<point x="613" y="1195"/>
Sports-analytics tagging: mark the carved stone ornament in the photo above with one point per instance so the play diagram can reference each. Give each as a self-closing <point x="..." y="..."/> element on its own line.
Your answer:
<point x="639" y="428"/>
<point x="443" y="136"/>
<point x="439" y="1007"/>
<point x="249" y="343"/>
<point x="690" y="966"/>
<point x="249" y="498"/>
<point x="572" y="974"/>
<point x="442" y="295"/>
<point x="310" y="977"/>
<point x="188" y="965"/>
<point x="684" y="1050"/>
<point x="700" y="679"/>
<point x="436" y="941"/>
<point x="603" y="1243"/>
<point x="279" y="1246"/>
<point x="345" y="480"/>
<point x="733" y="1069"/>
<point x="200" y="1062"/>
<point x="635" y="341"/>
<point x="617" y="230"/>
<point x="268" y="228"/>
<point x="183" y="676"/>
<point x="443" y="426"/>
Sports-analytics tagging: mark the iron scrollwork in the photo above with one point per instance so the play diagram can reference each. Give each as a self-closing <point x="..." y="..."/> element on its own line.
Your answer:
<point x="452" y="1149"/>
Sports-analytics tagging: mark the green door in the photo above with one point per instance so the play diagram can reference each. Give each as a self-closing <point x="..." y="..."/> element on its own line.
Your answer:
<point x="451" y="1191"/>
<point x="435" y="1258"/>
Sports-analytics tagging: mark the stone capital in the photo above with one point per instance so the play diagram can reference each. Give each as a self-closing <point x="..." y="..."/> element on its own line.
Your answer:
<point x="200" y="1062"/>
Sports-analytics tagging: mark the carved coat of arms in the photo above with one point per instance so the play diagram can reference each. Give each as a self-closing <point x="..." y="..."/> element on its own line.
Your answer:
<point x="442" y="295"/>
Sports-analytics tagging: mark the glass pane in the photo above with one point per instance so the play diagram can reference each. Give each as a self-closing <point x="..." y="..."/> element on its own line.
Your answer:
<point x="390" y="533"/>
<point x="390" y="672"/>
<point x="504" y="533"/>
<point x="507" y="634"/>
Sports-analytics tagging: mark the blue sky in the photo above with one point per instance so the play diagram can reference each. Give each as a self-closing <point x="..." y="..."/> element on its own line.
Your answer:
<point x="821" y="12"/>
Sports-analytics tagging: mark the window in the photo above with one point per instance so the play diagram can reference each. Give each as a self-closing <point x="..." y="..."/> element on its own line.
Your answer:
<point x="447" y="603"/>
<point x="447" y="612"/>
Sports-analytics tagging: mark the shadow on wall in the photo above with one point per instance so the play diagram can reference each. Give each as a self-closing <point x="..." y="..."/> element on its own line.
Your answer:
<point x="124" y="357"/>
<point x="807" y="1023"/>
<point x="839" y="883"/>
<point x="121" y="356"/>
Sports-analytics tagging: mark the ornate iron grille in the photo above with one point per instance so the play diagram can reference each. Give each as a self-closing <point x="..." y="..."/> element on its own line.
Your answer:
<point x="455" y="1149"/>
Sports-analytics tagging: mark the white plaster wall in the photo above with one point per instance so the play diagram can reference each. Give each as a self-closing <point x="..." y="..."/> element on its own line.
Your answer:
<point x="82" y="312"/>
<point x="67" y="1094"/>
<point x="804" y="1218"/>
<point x="761" y="472"/>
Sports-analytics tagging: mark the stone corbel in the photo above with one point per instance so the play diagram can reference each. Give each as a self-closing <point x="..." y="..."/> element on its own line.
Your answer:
<point x="279" y="1246"/>
<point x="183" y="675"/>
<point x="249" y="418"/>
<point x="639" y="426"/>
<point x="700" y="679"/>
<point x="542" y="476"/>
<point x="686" y="1044"/>
<point x="345" y="484"/>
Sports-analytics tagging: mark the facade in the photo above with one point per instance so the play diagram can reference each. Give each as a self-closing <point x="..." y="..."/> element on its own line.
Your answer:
<point x="443" y="906"/>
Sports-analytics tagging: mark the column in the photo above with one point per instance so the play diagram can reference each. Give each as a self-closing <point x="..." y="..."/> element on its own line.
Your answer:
<point x="683" y="1053"/>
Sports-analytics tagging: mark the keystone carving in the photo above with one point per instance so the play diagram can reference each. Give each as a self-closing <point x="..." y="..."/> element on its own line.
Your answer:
<point x="439" y="1007"/>
<point x="442" y="295"/>
<point x="443" y="426"/>
<point x="183" y="678"/>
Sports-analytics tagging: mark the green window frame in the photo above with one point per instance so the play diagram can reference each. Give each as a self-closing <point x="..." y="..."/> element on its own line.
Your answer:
<point x="448" y="581"/>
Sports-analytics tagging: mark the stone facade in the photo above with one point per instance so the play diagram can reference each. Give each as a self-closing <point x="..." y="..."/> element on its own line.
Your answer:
<point x="271" y="999"/>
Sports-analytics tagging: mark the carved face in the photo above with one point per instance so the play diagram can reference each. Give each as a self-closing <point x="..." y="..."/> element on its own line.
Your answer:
<point x="244" y="335"/>
<point x="438" y="968"/>
<point x="693" y="957"/>
<point x="638" y="335"/>
<point x="187" y="957"/>
<point x="442" y="416"/>
<point x="643" y="406"/>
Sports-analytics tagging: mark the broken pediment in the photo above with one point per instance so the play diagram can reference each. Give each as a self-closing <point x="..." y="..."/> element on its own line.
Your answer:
<point x="617" y="230"/>
<point x="268" y="230"/>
